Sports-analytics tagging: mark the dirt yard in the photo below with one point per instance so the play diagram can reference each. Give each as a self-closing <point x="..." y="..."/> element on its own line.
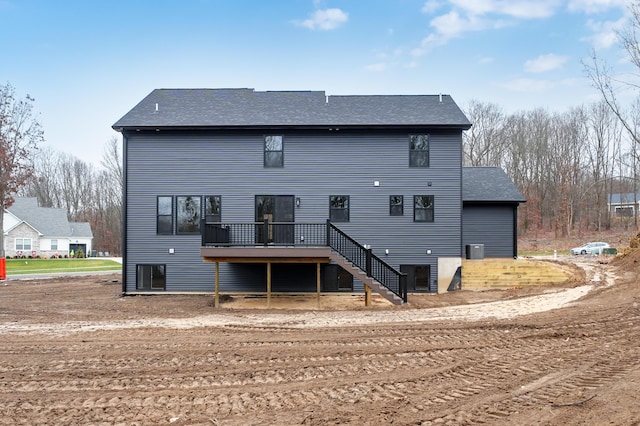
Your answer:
<point x="74" y="352"/>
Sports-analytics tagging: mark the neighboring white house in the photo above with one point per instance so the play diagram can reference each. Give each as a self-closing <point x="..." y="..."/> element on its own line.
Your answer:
<point x="624" y="205"/>
<point x="31" y="230"/>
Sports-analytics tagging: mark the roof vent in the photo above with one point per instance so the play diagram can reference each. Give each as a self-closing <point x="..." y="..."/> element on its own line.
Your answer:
<point x="157" y="105"/>
<point x="439" y="98"/>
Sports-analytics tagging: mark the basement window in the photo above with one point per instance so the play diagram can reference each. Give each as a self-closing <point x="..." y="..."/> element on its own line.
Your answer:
<point x="150" y="277"/>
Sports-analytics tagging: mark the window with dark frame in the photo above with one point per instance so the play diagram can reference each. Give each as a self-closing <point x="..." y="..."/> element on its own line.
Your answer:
<point x="423" y="208"/>
<point x="339" y="208"/>
<point x="418" y="150"/>
<point x="396" y="205"/>
<point x="151" y="277"/>
<point x="212" y="209"/>
<point x="164" y="215"/>
<point x="188" y="214"/>
<point x="273" y="152"/>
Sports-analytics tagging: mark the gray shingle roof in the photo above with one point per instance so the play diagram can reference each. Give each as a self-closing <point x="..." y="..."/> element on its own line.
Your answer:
<point x="624" y="198"/>
<point x="49" y="222"/>
<point x="247" y="107"/>
<point x="488" y="184"/>
<point x="80" y="230"/>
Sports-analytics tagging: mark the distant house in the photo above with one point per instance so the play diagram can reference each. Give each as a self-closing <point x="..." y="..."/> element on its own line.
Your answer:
<point x="31" y="230"/>
<point x="301" y="192"/>
<point x="623" y="205"/>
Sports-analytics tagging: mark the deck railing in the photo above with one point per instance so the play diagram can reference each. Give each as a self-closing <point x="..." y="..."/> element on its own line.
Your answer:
<point x="288" y="234"/>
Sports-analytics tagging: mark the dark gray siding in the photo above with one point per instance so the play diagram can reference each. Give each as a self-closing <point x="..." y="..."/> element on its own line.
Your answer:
<point x="317" y="165"/>
<point x="491" y="225"/>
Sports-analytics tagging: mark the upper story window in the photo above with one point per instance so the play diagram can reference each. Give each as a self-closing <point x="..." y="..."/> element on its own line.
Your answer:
<point x="212" y="208"/>
<point x="396" y="205"/>
<point x="188" y="215"/>
<point x="164" y="216"/>
<point x="423" y="208"/>
<point x="418" y="150"/>
<point x="339" y="208"/>
<point x="273" y="151"/>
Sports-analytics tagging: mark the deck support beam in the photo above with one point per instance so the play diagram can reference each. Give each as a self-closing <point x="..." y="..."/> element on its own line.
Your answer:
<point x="367" y="295"/>
<point x="268" y="285"/>
<point x="318" y="282"/>
<point x="216" y="300"/>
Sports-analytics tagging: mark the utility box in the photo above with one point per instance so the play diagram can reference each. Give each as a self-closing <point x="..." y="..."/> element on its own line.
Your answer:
<point x="475" y="251"/>
<point x="610" y="251"/>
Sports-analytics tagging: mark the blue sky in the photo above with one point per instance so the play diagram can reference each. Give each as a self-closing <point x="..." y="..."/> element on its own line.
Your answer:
<point x="87" y="62"/>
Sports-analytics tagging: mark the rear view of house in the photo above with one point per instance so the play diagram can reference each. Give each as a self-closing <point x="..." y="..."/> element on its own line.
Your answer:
<point x="292" y="192"/>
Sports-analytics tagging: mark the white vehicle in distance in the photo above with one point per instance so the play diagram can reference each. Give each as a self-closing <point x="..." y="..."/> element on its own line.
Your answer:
<point x="590" y="248"/>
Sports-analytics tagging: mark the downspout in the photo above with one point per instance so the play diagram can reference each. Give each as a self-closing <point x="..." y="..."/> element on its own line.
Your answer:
<point x="515" y="231"/>
<point x="125" y="142"/>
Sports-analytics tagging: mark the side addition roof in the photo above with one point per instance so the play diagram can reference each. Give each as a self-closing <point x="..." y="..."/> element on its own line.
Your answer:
<point x="80" y="230"/>
<point x="489" y="184"/>
<point x="212" y="108"/>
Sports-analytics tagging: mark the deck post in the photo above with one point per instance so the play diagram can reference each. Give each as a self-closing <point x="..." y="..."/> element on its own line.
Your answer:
<point x="269" y="285"/>
<point x="216" y="300"/>
<point x="367" y="295"/>
<point x="318" y="282"/>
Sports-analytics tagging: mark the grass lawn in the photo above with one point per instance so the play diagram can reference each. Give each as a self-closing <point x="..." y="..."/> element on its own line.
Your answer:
<point x="43" y="266"/>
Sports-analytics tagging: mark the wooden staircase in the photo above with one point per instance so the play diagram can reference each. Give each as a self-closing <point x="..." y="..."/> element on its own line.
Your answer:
<point x="362" y="276"/>
<point x="509" y="273"/>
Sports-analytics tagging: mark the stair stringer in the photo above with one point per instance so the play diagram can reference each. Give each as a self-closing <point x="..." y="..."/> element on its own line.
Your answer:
<point x="362" y="276"/>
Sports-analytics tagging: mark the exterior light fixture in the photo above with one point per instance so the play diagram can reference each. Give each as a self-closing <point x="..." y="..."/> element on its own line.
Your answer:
<point x="297" y="201"/>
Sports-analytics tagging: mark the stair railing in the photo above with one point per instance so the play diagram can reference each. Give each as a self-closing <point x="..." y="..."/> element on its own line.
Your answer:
<point x="363" y="257"/>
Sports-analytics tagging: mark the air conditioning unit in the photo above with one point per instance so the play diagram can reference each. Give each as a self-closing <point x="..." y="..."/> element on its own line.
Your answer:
<point x="475" y="251"/>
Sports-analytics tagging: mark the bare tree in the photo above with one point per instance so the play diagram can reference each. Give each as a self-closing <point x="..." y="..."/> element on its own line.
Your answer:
<point x="20" y="135"/>
<point x="485" y="142"/>
<point x="612" y="85"/>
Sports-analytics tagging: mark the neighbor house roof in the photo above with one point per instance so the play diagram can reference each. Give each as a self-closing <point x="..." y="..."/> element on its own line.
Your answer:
<point x="80" y="230"/>
<point x="48" y="221"/>
<point x="624" y="198"/>
<point x="211" y="108"/>
<point x="488" y="184"/>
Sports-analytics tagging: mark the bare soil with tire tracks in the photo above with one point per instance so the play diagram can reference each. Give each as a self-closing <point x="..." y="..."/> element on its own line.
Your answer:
<point x="73" y="352"/>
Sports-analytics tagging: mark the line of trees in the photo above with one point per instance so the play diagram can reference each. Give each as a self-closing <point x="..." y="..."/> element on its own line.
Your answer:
<point x="565" y="164"/>
<point x="88" y="193"/>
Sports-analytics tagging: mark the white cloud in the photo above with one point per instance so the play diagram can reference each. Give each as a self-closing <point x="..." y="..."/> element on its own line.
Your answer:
<point x="486" y="60"/>
<point x="379" y="67"/>
<point x="595" y="6"/>
<point x="544" y="63"/>
<point x="453" y="25"/>
<point x="521" y="9"/>
<point x="430" y="6"/>
<point x="478" y="15"/>
<point x="327" y="19"/>
<point x="605" y="32"/>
